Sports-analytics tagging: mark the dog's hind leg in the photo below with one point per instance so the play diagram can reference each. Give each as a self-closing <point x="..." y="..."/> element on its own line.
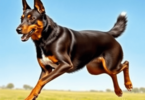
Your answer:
<point x="112" y="73"/>
<point x="95" y="67"/>
<point x="127" y="81"/>
<point x="120" y="67"/>
<point x="125" y="68"/>
<point x="117" y="89"/>
<point x="98" y="66"/>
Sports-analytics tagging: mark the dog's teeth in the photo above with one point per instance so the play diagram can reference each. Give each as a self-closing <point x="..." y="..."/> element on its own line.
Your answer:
<point x="123" y="14"/>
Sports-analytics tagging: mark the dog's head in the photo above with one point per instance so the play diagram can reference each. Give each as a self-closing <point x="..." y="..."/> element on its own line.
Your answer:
<point x="32" y="21"/>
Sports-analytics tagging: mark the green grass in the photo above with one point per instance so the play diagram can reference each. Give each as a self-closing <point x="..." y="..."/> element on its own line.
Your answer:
<point x="66" y="95"/>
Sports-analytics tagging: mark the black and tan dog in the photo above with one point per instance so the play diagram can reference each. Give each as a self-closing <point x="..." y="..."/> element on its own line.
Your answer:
<point x="62" y="50"/>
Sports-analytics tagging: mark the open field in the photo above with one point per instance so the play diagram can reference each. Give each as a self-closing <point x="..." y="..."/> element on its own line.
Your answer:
<point x="66" y="95"/>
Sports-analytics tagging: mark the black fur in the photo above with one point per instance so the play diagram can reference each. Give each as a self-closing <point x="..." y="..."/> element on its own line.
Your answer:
<point x="70" y="48"/>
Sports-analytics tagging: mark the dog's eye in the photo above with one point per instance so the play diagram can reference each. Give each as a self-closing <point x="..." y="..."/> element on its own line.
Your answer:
<point x="32" y="18"/>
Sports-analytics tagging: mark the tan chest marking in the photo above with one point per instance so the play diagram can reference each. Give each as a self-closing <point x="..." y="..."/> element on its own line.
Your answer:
<point x="50" y="60"/>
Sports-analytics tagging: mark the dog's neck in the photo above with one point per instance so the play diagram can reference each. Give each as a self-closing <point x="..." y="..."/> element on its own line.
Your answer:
<point x="48" y="24"/>
<point x="49" y="33"/>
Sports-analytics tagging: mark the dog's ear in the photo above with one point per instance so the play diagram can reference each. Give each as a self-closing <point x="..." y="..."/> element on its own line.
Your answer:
<point x="25" y="5"/>
<point x="39" y="6"/>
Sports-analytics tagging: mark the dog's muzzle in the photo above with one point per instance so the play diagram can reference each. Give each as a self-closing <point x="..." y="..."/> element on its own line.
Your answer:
<point x="25" y="37"/>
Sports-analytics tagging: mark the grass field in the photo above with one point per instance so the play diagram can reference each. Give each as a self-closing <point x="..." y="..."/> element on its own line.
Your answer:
<point x="66" y="95"/>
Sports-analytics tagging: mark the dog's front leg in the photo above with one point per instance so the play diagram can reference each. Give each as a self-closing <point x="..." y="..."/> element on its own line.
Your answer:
<point x="62" y="68"/>
<point x="45" y="71"/>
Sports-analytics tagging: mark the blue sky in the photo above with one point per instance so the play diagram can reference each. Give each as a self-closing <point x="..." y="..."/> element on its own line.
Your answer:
<point x="18" y="63"/>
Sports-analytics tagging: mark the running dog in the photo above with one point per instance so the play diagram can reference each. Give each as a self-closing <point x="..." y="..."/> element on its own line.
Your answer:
<point x="62" y="50"/>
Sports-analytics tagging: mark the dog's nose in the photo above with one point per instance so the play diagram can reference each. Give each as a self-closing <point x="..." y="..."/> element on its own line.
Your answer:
<point x="19" y="30"/>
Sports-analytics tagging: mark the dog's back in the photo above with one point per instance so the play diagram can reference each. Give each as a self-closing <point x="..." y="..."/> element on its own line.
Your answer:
<point x="92" y="44"/>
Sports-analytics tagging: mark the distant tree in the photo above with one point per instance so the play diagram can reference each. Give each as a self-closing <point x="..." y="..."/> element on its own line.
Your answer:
<point x="69" y="90"/>
<point x="10" y="86"/>
<point x="108" y="90"/>
<point x="93" y="91"/>
<point x="27" y="87"/>
<point x="100" y="91"/>
<point x="125" y="91"/>
<point x="136" y="90"/>
<point x="142" y="90"/>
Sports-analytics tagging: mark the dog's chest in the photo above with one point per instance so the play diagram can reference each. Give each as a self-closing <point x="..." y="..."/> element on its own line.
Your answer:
<point x="49" y="60"/>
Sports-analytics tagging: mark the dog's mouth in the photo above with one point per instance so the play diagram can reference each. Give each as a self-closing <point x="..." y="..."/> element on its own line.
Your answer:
<point x="25" y="37"/>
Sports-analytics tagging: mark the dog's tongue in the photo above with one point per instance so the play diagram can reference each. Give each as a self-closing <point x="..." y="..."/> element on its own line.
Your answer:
<point x="24" y="37"/>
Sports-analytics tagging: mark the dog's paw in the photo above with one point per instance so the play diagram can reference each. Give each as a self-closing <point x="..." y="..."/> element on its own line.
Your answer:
<point x="119" y="92"/>
<point x="31" y="98"/>
<point x="129" y="85"/>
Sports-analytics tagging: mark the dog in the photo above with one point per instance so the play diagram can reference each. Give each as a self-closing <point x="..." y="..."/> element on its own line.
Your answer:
<point x="62" y="50"/>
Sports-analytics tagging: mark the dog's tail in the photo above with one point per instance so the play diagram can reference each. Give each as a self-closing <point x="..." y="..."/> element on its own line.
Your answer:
<point x="119" y="26"/>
